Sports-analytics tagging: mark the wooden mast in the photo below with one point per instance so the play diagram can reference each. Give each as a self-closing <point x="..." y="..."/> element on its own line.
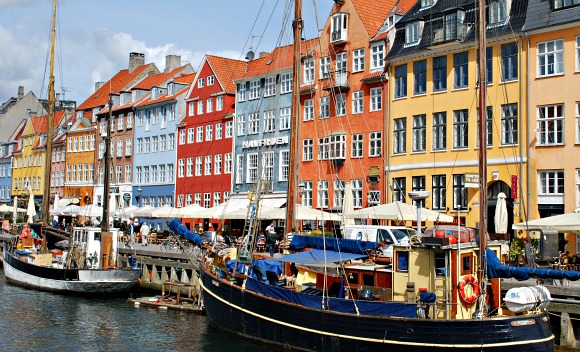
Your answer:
<point x="50" y="127"/>
<point x="107" y="175"/>
<point x="482" y="128"/>
<point x="293" y="166"/>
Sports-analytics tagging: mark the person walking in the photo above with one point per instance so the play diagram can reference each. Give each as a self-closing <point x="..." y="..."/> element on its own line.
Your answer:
<point x="131" y="233"/>
<point x="144" y="233"/>
<point x="271" y="239"/>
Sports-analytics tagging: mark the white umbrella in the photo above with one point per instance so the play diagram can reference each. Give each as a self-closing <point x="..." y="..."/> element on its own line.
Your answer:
<point x="69" y="210"/>
<point x="90" y="210"/>
<point x="165" y="211"/>
<point x="301" y="213"/>
<point x="31" y="211"/>
<point x="15" y="209"/>
<point x="398" y="211"/>
<point x="56" y="200"/>
<point x="143" y="212"/>
<point x="501" y="215"/>
<point x="127" y="212"/>
<point x="561" y="223"/>
<point x="348" y="204"/>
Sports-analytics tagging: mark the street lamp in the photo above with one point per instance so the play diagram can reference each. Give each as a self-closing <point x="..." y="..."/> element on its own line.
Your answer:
<point x="138" y="196"/>
<point x="419" y="196"/>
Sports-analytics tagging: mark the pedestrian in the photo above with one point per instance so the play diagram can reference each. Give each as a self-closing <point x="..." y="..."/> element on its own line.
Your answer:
<point x="131" y="232"/>
<point x="290" y="235"/>
<point x="271" y="238"/>
<point x="144" y="233"/>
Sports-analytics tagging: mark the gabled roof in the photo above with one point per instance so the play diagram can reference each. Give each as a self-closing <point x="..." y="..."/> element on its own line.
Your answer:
<point x="40" y="124"/>
<point x="373" y="13"/>
<point x="540" y="15"/>
<point x="159" y="79"/>
<point x="118" y="83"/>
<point x="226" y="70"/>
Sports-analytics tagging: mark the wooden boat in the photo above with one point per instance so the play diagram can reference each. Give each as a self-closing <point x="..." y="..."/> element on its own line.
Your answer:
<point x="91" y="266"/>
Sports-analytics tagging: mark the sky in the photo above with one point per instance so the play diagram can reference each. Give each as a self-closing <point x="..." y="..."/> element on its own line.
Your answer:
<point x="94" y="38"/>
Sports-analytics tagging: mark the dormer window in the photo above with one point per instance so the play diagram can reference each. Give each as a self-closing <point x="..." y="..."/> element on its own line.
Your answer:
<point x="449" y="27"/>
<point x="560" y="4"/>
<point x="497" y="11"/>
<point x="339" y="28"/>
<point x="413" y="33"/>
<point x="170" y="89"/>
<point x="427" y="3"/>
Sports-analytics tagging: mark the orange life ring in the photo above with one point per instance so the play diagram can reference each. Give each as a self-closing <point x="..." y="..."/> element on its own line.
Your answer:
<point x="469" y="280"/>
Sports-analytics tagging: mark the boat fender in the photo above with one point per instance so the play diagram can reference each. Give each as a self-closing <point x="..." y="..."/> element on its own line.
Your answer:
<point x="469" y="280"/>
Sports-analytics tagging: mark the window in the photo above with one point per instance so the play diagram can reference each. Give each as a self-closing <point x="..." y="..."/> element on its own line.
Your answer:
<point x="322" y="201"/>
<point x="418" y="185"/>
<point x="285" y="119"/>
<point x="340" y="78"/>
<point x="377" y="56"/>
<point x="200" y="82"/>
<point x="207" y="200"/>
<point x="128" y="146"/>
<point x="459" y="192"/>
<point x="323" y="148"/>
<point x="439" y="190"/>
<point x="340" y="104"/>
<point x="219" y="103"/>
<point x="217" y="167"/>
<point x="189" y="167"/>
<point x="560" y="4"/>
<point x="357" y="102"/>
<point x="286" y="84"/>
<point x="270" y="87"/>
<point x="358" y="60"/>
<point x="239" y="168"/>
<point x="420" y="74"/>
<point x="218" y="131"/>
<point x="216" y="198"/>
<point x="496" y="12"/>
<point x="400" y="136"/>
<point x="357" y="146"/>
<point x="307" y="149"/>
<point x="199" y="134"/>
<point x="509" y="124"/>
<point x="307" y="194"/>
<point x="375" y="144"/>
<point x="376" y="99"/>
<point x="252" y="171"/>
<point x="308" y="70"/>
<point x="440" y="131"/>
<point x="269" y="121"/>
<point x="241" y="125"/>
<point x="412" y="33"/>
<point x="509" y="62"/>
<point x="439" y="73"/>
<point x="198" y="165"/>
<point x="242" y="92"/>
<point x="229" y="129"/>
<point x="309" y="110"/>
<point x="551" y="182"/>
<point x="324" y="107"/>
<point x="253" y="124"/>
<point x="427" y="3"/>
<point x="460" y="129"/>
<point x="460" y="70"/>
<point x="338" y="193"/>
<point x="180" y="168"/>
<point x="401" y="81"/>
<point x="325" y="67"/>
<point x="207" y="165"/>
<point x="208" y="132"/>
<point x="578" y="53"/>
<point x="551" y="58"/>
<point x="399" y="189"/>
<point x="209" y="107"/>
<point x="228" y="163"/>
<point x="577" y="122"/>
<point x="337" y="146"/>
<point x="210" y="80"/>
<point x="419" y="133"/>
<point x="339" y="27"/>
<point x="551" y="125"/>
<point x="254" y="90"/>
<point x="284" y="165"/>
<point x="488" y="127"/>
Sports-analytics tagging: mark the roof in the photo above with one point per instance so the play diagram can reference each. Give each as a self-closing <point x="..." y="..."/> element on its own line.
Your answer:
<point x="373" y="13"/>
<point x="115" y="85"/>
<point x="226" y="70"/>
<point x="159" y="79"/>
<point x="515" y="23"/>
<point x="540" y="15"/>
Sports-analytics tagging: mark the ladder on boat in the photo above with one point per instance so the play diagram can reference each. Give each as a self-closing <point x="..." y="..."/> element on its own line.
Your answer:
<point x="249" y="233"/>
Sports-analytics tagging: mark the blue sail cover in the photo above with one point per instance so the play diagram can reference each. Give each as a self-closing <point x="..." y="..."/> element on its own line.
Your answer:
<point x="176" y="226"/>
<point x="318" y="256"/>
<point x="265" y="264"/>
<point x="332" y="244"/>
<point x="495" y="269"/>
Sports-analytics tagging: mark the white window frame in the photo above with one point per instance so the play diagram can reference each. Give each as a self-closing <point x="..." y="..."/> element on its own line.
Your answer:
<point x="309" y="73"/>
<point x="358" y="60"/>
<point x="358" y="102"/>
<point x="550" y="125"/>
<point x="551" y="58"/>
<point x="377" y="56"/>
<point x="308" y="109"/>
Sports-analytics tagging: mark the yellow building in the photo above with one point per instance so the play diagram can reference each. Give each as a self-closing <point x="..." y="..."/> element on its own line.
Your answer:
<point x="80" y="161"/>
<point x="554" y="105"/>
<point x="434" y="105"/>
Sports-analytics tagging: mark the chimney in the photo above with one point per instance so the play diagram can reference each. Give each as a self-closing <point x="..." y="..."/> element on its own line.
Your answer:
<point x="20" y="92"/>
<point x="57" y="99"/>
<point x="98" y="85"/>
<point x="172" y="62"/>
<point x="136" y="60"/>
<point x="264" y="54"/>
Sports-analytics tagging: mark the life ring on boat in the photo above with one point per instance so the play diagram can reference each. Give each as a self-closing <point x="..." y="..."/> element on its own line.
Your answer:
<point x="469" y="280"/>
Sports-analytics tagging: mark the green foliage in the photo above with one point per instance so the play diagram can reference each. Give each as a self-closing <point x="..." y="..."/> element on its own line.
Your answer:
<point x="518" y="247"/>
<point x="319" y="233"/>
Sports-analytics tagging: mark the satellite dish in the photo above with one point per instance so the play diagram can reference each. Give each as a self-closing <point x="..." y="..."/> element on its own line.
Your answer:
<point x="250" y="55"/>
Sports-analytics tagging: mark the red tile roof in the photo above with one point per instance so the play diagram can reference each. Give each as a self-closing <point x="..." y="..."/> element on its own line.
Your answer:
<point x="158" y="80"/>
<point x="373" y="13"/>
<point x="226" y="71"/>
<point x="116" y="84"/>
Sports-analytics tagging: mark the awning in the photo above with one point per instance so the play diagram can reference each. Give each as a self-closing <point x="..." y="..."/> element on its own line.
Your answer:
<point x="273" y="202"/>
<point x="316" y="257"/>
<point x="63" y="202"/>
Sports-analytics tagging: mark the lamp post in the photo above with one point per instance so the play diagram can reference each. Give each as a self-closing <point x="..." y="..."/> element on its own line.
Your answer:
<point x="419" y="196"/>
<point x="138" y="196"/>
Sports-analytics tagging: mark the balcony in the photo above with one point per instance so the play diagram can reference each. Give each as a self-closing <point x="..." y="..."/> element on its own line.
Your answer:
<point x="338" y="37"/>
<point x="338" y="82"/>
<point x="451" y="32"/>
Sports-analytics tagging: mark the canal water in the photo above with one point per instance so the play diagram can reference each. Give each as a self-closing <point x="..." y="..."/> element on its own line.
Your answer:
<point x="38" y="321"/>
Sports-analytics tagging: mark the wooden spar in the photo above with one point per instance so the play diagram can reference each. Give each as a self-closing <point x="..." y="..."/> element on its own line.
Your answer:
<point x="50" y="127"/>
<point x="107" y="178"/>
<point x="482" y="114"/>
<point x="293" y="173"/>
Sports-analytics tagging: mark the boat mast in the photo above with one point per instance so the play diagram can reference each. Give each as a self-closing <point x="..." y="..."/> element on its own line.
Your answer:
<point x="482" y="115"/>
<point x="107" y="181"/>
<point x="50" y="127"/>
<point x="293" y="173"/>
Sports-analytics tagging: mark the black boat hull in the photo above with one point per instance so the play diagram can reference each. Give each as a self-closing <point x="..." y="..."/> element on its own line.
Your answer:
<point x="254" y="316"/>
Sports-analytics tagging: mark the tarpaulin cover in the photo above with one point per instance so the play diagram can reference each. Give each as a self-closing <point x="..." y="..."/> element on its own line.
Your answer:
<point x="495" y="269"/>
<point x="332" y="244"/>
<point x="176" y="226"/>
<point x="392" y="309"/>
<point x="264" y="264"/>
<point x="316" y="257"/>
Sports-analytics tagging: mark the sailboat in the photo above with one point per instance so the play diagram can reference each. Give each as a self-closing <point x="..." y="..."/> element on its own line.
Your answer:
<point x="89" y="268"/>
<point x="435" y="295"/>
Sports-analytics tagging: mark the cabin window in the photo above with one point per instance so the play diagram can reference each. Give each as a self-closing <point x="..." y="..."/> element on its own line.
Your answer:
<point x="352" y="278"/>
<point x="402" y="261"/>
<point x="440" y="267"/>
<point x="369" y="279"/>
<point x="466" y="264"/>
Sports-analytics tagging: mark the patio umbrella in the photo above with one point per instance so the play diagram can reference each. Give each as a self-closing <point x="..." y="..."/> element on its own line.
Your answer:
<point x="127" y="212"/>
<point x="15" y="209"/>
<point x="348" y="204"/>
<point x="56" y="200"/>
<point x="188" y="211"/>
<point x="31" y="210"/>
<point x="302" y="213"/>
<point x="90" y="210"/>
<point x="165" y="211"/>
<point x="501" y="216"/>
<point x="398" y="211"/>
<point x="143" y="212"/>
<point x="569" y="222"/>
